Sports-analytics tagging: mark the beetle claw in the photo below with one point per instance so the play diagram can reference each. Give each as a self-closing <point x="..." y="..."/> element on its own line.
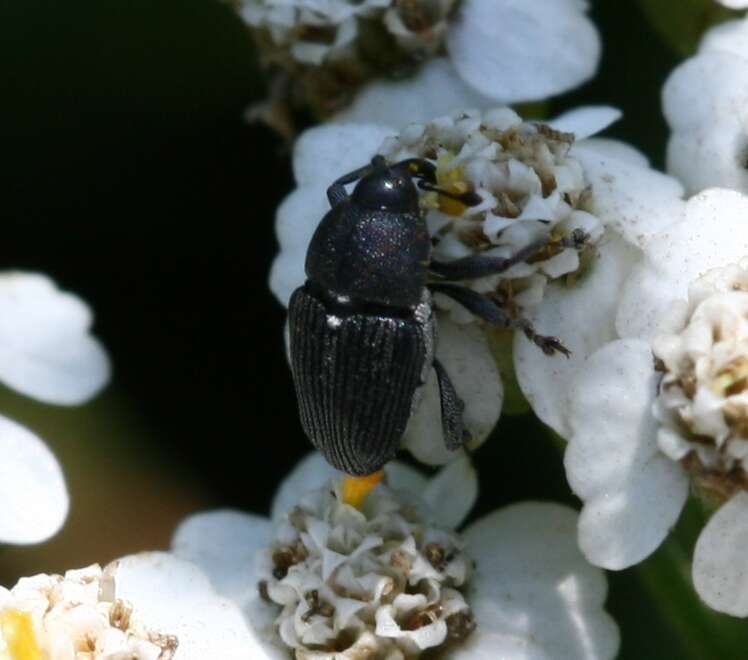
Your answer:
<point x="550" y="345"/>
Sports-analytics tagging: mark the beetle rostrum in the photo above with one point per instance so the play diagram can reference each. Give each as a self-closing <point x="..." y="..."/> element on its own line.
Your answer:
<point x="362" y="327"/>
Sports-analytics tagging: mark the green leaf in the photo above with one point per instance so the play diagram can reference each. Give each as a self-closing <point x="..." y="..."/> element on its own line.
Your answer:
<point x="501" y="343"/>
<point x="681" y="24"/>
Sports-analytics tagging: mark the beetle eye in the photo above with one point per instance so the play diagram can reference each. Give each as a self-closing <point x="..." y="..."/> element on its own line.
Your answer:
<point x="386" y="190"/>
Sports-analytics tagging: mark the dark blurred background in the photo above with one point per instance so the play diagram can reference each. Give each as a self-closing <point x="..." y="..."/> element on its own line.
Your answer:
<point x="131" y="177"/>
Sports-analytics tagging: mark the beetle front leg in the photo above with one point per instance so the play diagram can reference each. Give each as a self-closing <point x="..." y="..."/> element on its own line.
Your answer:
<point x="481" y="265"/>
<point x="488" y="310"/>
<point x="336" y="192"/>
<point x="452" y="407"/>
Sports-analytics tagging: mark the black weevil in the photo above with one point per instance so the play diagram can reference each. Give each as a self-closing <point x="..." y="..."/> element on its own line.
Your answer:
<point x="362" y="329"/>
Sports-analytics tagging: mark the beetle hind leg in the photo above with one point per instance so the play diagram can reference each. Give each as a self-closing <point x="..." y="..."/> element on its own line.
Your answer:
<point x="452" y="406"/>
<point x="486" y="309"/>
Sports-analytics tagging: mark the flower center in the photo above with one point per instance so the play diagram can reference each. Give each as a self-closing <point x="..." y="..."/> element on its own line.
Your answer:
<point x="532" y="190"/>
<point x="375" y="581"/>
<point x="703" y="399"/>
<point x="18" y="636"/>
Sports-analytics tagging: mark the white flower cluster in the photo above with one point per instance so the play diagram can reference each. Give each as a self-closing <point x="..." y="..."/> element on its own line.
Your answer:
<point x="330" y="53"/>
<point x="150" y="606"/>
<point x="77" y="616"/>
<point x="320" y="580"/>
<point x="532" y="190"/>
<point x="314" y="30"/>
<point x="377" y="579"/>
<point x="703" y="402"/>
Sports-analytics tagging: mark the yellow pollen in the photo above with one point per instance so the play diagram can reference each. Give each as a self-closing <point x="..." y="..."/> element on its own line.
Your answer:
<point x="452" y="180"/>
<point x="355" y="489"/>
<point x="732" y="378"/>
<point x="18" y="634"/>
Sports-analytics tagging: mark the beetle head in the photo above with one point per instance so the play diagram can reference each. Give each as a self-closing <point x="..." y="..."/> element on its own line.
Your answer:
<point x="387" y="188"/>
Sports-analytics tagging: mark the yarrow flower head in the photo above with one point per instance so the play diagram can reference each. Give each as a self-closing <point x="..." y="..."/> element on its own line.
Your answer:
<point x="702" y="405"/>
<point x="322" y="52"/>
<point x="376" y="580"/>
<point x="47" y="353"/>
<point x="143" y="607"/>
<point x="567" y="215"/>
<point x="663" y="405"/>
<point x="327" y="581"/>
<point x="531" y="188"/>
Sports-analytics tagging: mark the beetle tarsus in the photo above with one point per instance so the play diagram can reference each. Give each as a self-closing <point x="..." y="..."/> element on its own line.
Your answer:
<point x="549" y="345"/>
<point x="452" y="406"/>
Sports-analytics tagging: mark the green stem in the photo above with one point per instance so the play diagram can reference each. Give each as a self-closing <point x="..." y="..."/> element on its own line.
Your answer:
<point x="666" y="575"/>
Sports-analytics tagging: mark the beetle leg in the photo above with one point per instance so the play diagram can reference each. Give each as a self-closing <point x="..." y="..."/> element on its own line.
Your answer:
<point x="452" y="407"/>
<point x="336" y="192"/>
<point x="486" y="309"/>
<point x="481" y="265"/>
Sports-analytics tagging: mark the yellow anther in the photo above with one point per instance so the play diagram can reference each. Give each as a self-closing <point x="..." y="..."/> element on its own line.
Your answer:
<point x="451" y="179"/>
<point x="732" y="378"/>
<point x="17" y="632"/>
<point x="355" y="489"/>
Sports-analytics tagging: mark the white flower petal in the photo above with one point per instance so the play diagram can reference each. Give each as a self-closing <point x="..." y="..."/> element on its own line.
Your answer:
<point x="223" y="544"/>
<point x="452" y="492"/>
<point x="553" y="598"/>
<point x="286" y="275"/>
<point x="632" y="493"/>
<point x="435" y="90"/>
<point x="403" y="477"/>
<point x="582" y="317"/>
<point x="617" y="150"/>
<point x="636" y="202"/>
<point x="704" y="88"/>
<point x="174" y="597"/>
<point x="486" y="645"/>
<point x="720" y="563"/>
<point x="705" y="101"/>
<point x="734" y="4"/>
<point x="711" y="156"/>
<point x="46" y="351"/>
<point x="712" y="233"/>
<point x="295" y="221"/>
<point x="586" y="121"/>
<point x="32" y="488"/>
<point x="464" y="352"/>
<point x="519" y="50"/>
<point x="298" y="216"/>
<point x="324" y="153"/>
<point x="729" y="37"/>
<point x="310" y="473"/>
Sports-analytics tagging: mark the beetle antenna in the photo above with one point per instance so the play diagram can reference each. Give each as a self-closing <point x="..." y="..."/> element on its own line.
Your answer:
<point x="468" y="198"/>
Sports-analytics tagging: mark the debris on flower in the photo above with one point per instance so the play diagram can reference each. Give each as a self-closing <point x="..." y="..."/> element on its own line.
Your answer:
<point x="377" y="581"/>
